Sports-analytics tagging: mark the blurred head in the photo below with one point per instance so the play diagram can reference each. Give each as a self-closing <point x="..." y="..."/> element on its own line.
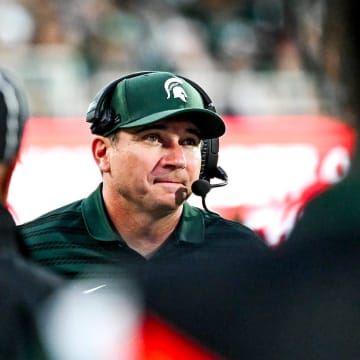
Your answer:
<point x="14" y="113"/>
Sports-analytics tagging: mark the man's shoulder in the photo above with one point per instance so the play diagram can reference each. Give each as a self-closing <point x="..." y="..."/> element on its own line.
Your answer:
<point x="60" y="217"/>
<point x="48" y="238"/>
<point x="214" y="220"/>
<point x="223" y="230"/>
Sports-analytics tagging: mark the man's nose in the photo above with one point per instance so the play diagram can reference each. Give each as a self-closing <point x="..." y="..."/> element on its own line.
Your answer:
<point x="175" y="156"/>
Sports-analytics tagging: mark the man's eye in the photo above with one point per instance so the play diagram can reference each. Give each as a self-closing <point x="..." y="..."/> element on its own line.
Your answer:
<point x="191" y="142"/>
<point x="152" y="137"/>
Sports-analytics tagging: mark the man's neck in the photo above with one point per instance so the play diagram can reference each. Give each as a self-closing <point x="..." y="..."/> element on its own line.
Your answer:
<point x="144" y="232"/>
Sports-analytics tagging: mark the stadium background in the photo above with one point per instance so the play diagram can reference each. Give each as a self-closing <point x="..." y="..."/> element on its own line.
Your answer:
<point x="286" y="140"/>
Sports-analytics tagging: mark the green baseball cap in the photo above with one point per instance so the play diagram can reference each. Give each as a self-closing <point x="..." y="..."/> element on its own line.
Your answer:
<point x="155" y="96"/>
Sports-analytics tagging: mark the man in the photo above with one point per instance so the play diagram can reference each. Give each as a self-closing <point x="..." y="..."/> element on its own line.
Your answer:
<point x="24" y="286"/>
<point x="149" y="129"/>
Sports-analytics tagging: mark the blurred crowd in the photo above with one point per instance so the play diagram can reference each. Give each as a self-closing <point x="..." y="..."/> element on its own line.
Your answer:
<point x="242" y="52"/>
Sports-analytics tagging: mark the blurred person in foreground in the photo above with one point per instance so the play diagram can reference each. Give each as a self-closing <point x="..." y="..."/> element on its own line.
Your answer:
<point x="154" y="136"/>
<point x="24" y="286"/>
<point x="301" y="301"/>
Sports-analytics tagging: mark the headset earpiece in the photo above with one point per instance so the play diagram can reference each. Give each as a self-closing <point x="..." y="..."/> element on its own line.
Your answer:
<point x="209" y="158"/>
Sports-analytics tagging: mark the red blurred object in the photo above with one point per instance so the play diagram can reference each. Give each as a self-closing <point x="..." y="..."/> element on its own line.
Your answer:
<point x="160" y="341"/>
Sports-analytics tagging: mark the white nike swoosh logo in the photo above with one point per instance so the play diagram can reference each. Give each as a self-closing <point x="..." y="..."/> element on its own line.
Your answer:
<point x="94" y="289"/>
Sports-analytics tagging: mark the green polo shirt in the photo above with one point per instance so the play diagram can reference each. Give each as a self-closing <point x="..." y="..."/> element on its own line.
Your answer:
<point x="79" y="239"/>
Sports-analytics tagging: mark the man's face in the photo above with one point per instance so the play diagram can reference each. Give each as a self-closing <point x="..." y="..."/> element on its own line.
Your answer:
<point x="153" y="167"/>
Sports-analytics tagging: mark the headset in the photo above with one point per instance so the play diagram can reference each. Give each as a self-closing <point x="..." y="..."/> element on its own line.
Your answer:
<point x="102" y="119"/>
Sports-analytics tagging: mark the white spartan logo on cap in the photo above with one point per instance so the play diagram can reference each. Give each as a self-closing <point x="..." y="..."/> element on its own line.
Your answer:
<point x="173" y="86"/>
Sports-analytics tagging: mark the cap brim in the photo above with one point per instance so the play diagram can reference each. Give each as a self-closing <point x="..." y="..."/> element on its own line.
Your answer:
<point x="209" y="123"/>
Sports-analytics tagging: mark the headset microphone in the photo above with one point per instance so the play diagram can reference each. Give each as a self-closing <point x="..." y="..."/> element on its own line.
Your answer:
<point x="201" y="187"/>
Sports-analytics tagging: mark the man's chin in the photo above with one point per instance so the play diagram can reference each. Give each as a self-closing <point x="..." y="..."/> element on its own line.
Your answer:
<point x="174" y="197"/>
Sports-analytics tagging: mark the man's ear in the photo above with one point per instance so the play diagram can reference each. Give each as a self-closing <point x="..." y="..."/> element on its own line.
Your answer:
<point x="99" y="147"/>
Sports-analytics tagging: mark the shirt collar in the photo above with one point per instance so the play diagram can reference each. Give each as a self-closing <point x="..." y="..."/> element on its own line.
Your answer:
<point x="95" y="217"/>
<point x="191" y="228"/>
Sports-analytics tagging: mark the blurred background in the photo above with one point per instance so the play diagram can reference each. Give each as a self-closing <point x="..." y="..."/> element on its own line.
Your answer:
<point x="257" y="60"/>
<point x="245" y="53"/>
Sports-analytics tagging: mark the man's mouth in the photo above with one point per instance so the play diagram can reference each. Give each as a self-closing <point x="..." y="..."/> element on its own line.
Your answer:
<point x="169" y="181"/>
